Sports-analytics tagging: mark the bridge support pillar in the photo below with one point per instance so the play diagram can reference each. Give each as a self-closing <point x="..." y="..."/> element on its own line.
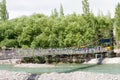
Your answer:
<point x="96" y="55"/>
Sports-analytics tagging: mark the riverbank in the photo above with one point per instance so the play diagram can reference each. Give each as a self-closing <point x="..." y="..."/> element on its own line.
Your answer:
<point x="7" y="75"/>
<point x="115" y="60"/>
<point x="68" y="72"/>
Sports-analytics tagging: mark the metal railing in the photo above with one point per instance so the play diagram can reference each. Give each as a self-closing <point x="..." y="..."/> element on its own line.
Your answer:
<point x="20" y="53"/>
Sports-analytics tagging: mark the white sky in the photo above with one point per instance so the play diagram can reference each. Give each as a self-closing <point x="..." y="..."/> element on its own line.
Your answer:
<point x="17" y="8"/>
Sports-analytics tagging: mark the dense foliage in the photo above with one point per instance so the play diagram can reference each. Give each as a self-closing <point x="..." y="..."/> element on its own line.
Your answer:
<point x="57" y="30"/>
<point x="3" y="11"/>
<point x="117" y="19"/>
<point x="39" y="30"/>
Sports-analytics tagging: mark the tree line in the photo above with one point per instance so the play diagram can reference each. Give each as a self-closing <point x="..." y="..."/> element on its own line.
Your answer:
<point x="57" y="30"/>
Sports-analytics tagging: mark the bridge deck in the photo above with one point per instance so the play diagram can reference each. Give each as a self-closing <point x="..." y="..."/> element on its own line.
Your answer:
<point x="20" y="53"/>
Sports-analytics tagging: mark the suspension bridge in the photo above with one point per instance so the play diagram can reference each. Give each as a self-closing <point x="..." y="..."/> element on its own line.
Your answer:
<point x="21" y="53"/>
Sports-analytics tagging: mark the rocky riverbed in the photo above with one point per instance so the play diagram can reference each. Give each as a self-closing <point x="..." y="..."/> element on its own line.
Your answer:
<point x="79" y="76"/>
<point x="7" y="75"/>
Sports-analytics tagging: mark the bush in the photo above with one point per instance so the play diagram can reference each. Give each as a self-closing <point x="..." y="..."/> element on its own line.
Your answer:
<point x="36" y="59"/>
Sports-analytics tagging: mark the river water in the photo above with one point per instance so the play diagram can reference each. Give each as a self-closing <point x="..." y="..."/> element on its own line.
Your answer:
<point x="66" y="68"/>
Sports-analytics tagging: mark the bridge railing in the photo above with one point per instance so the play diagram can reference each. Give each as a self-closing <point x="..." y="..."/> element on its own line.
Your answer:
<point x="19" y="53"/>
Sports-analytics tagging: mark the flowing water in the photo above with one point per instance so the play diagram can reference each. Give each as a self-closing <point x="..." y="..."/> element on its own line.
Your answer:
<point x="66" y="68"/>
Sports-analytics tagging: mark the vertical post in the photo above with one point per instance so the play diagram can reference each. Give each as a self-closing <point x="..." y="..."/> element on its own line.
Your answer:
<point x="96" y="56"/>
<point x="4" y="54"/>
<point x="101" y="56"/>
<point x="112" y="54"/>
<point x="115" y="35"/>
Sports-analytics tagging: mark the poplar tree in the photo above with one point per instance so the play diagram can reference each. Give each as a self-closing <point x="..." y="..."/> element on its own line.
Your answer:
<point x="61" y="10"/>
<point x="85" y="7"/>
<point x="117" y="19"/>
<point x="117" y="15"/>
<point x="3" y="11"/>
<point x="55" y="12"/>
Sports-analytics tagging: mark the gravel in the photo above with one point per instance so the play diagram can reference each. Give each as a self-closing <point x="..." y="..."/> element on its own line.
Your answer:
<point x="31" y="65"/>
<point x="9" y="75"/>
<point x="115" y="60"/>
<point x="79" y="76"/>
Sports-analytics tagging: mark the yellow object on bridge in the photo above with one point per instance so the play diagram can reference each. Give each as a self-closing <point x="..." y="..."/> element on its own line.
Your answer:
<point x="108" y="48"/>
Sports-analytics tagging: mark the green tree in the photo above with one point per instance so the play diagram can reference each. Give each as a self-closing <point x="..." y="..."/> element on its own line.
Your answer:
<point x="40" y="41"/>
<point x="54" y="13"/>
<point x="39" y="30"/>
<point x="52" y="41"/>
<point x="3" y="11"/>
<point x="61" y="10"/>
<point x="85" y="7"/>
<point x="117" y="19"/>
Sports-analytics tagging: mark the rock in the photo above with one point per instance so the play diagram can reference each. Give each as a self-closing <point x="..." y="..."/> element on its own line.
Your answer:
<point x="115" y="60"/>
<point x="7" y="75"/>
